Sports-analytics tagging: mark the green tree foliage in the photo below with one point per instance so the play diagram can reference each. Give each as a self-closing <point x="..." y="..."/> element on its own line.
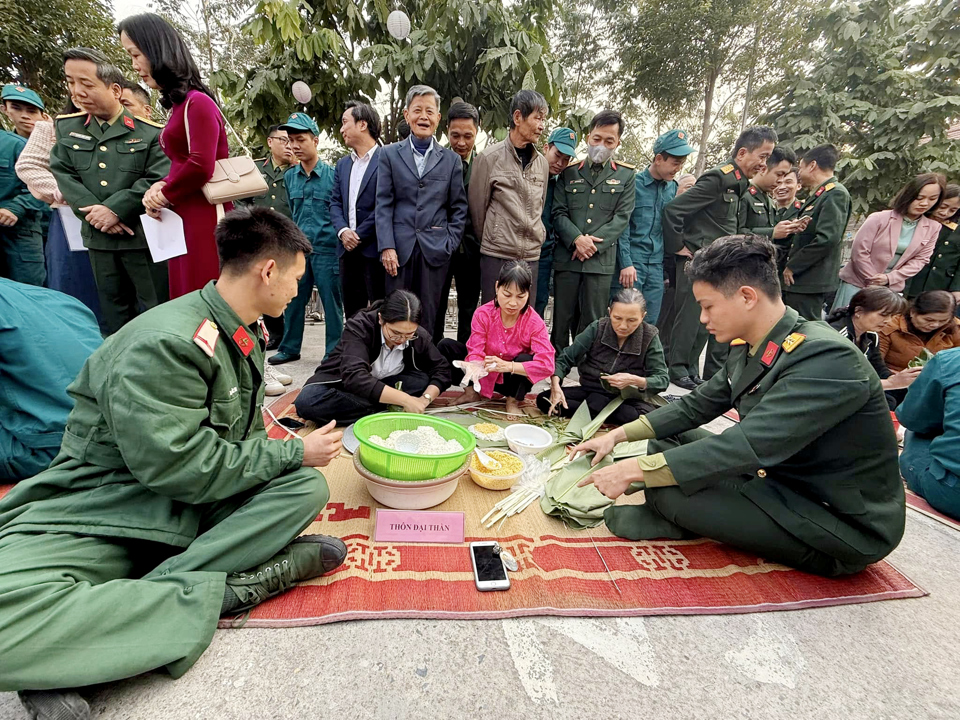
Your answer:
<point x="881" y="84"/>
<point x="480" y="50"/>
<point x="34" y="34"/>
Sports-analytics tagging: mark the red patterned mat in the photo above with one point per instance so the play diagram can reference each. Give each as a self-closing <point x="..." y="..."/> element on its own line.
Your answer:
<point x="915" y="502"/>
<point x="561" y="572"/>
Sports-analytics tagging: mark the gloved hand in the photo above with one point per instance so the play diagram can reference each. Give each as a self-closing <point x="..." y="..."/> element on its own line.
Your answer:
<point x="472" y="372"/>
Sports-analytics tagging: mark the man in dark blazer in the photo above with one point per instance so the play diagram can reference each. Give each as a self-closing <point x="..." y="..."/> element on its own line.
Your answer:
<point x="421" y="206"/>
<point x="352" y="208"/>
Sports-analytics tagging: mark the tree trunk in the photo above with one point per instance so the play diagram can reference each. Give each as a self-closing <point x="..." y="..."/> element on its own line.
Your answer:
<point x="206" y="27"/>
<point x="706" y="125"/>
<point x="750" y="77"/>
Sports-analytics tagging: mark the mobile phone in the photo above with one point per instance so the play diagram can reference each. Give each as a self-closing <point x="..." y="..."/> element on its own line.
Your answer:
<point x="488" y="570"/>
<point x="291" y="423"/>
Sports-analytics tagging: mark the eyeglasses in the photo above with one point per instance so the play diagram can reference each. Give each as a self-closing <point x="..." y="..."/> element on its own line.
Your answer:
<point x="394" y="335"/>
<point x="282" y="140"/>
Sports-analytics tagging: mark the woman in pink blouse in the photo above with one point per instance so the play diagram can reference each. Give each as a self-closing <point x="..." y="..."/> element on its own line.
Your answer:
<point x="163" y="61"/>
<point x="509" y="347"/>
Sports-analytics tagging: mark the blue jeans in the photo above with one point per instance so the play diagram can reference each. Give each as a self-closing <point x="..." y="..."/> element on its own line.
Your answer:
<point x="649" y="283"/>
<point x="323" y="270"/>
<point x="927" y="478"/>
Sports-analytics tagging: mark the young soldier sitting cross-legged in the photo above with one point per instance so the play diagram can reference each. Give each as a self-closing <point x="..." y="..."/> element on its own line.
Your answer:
<point x="167" y="505"/>
<point x="808" y="477"/>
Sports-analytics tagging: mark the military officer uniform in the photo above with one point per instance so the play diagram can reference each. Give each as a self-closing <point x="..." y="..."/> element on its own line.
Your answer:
<point x="21" y="245"/>
<point x="757" y="214"/>
<point x="814" y="256"/>
<point x="707" y="211"/>
<point x="114" y="164"/>
<point x="790" y="212"/>
<point x="114" y="560"/>
<point x="589" y="199"/>
<point x="276" y="197"/>
<point x="808" y="477"/>
<point x="941" y="273"/>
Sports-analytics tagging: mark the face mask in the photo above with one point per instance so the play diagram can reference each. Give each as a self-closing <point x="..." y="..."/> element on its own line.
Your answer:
<point x="599" y="154"/>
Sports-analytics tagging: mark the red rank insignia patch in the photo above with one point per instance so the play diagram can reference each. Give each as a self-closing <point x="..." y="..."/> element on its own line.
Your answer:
<point x="770" y="353"/>
<point x="128" y="121"/>
<point x="736" y="174"/>
<point x="243" y="341"/>
<point x="753" y="189"/>
<point x="818" y="193"/>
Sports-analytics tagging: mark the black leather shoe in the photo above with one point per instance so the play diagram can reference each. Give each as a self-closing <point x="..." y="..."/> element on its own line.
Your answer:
<point x="54" y="705"/>
<point x="697" y="379"/>
<point x="687" y="383"/>
<point x="274" y="343"/>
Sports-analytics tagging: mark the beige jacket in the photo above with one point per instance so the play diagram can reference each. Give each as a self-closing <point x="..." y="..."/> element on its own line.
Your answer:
<point x="506" y="202"/>
<point x="33" y="165"/>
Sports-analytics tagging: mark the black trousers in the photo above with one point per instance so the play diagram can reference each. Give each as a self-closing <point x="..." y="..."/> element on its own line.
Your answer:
<point x="596" y="400"/>
<point x="515" y="386"/>
<point x="667" y="306"/>
<point x="425" y="281"/>
<point x="322" y="402"/>
<point x="721" y="512"/>
<point x="490" y="271"/>
<point x="464" y="268"/>
<point x="362" y="280"/>
<point x="274" y="326"/>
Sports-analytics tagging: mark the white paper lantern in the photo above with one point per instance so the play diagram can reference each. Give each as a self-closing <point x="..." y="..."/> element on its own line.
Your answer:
<point x="302" y="92"/>
<point x="398" y="24"/>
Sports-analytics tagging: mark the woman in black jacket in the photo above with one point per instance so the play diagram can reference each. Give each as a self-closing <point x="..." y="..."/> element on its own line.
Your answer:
<point x="384" y="358"/>
<point x="869" y="310"/>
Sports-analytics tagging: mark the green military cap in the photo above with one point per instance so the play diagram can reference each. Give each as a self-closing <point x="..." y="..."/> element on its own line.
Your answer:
<point x="565" y="140"/>
<point x="21" y="94"/>
<point x="300" y="122"/>
<point x="673" y="142"/>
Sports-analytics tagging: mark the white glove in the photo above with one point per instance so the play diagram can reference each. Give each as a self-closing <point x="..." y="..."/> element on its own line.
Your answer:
<point x="472" y="372"/>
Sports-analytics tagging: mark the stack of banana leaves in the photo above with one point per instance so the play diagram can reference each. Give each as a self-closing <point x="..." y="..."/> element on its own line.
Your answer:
<point x="580" y="507"/>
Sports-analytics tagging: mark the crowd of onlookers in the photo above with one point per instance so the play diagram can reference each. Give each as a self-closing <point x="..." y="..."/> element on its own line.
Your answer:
<point x="400" y="230"/>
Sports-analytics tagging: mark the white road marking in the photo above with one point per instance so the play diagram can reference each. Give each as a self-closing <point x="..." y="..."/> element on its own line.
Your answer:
<point x="769" y="656"/>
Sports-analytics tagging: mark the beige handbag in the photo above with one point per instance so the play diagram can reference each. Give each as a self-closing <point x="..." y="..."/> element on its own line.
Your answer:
<point x="234" y="178"/>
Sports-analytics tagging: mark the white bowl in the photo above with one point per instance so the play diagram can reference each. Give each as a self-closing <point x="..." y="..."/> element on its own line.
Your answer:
<point x="527" y="439"/>
<point x="413" y="497"/>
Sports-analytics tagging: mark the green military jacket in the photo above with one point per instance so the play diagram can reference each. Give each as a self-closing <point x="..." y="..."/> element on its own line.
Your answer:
<point x="815" y="253"/>
<point x="757" y="214"/>
<point x="943" y="270"/>
<point x="112" y="166"/>
<point x="815" y="444"/>
<point x="707" y="211"/>
<point x="276" y="197"/>
<point x="166" y="419"/>
<point x="790" y="212"/>
<point x="592" y="203"/>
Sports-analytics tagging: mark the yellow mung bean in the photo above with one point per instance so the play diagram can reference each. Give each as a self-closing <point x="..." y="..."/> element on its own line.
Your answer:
<point x="509" y="464"/>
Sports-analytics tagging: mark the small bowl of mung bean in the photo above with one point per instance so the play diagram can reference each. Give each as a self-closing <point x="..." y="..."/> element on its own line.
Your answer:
<point x="503" y="478"/>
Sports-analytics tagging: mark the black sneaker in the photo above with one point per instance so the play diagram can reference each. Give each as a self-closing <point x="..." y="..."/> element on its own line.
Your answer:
<point x="687" y="383"/>
<point x="305" y="558"/>
<point x="54" y="705"/>
<point x="697" y="379"/>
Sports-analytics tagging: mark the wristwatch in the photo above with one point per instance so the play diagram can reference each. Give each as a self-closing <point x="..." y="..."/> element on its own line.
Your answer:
<point x="428" y="397"/>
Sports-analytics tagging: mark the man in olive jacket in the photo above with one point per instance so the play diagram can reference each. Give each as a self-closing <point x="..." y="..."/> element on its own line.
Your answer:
<point x="813" y="262"/>
<point x="167" y="505"/>
<point x="808" y="477"/>
<point x="508" y="186"/>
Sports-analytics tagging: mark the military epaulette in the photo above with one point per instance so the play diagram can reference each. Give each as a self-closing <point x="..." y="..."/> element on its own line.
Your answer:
<point x="70" y="115"/>
<point x="737" y="341"/>
<point x="951" y="225"/>
<point x="797" y="204"/>
<point x="752" y="189"/>
<point x="829" y="186"/>
<point x="727" y="169"/>
<point x="206" y="337"/>
<point x="627" y="165"/>
<point x="792" y="341"/>
<point x="149" y="122"/>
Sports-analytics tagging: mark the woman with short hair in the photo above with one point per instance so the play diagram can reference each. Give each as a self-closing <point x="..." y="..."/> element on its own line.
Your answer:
<point x="163" y="61"/>
<point x="509" y="348"/>
<point x="616" y="356"/>
<point x="383" y="358"/>
<point x="930" y="324"/>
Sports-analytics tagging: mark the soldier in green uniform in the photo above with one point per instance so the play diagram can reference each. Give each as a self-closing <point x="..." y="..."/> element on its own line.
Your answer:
<point x="786" y="205"/>
<point x="21" y="214"/>
<point x="808" y="477"/>
<point x="167" y="505"/>
<point x="272" y="168"/>
<point x="104" y="160"/>
<point x="693" y="220"/>
<point x="813" y="262"/>
<point x="943" y="270"/>
<point x="592" y="204"/>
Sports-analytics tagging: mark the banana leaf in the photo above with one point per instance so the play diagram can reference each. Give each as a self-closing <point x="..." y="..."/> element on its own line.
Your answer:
<point x="578" y="507"/>
<point x="625" y="450"/>
<point x="580" y="429"/>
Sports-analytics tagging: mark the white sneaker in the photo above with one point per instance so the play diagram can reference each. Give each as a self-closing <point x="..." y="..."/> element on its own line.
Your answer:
<point x="280" y="377"/>
<point x="271" y="383"/>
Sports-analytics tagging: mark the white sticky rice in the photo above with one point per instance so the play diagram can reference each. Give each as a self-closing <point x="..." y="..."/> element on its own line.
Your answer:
<point x="431" y="443"/>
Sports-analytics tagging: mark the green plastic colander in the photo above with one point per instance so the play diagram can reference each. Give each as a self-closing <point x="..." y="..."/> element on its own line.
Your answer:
<point x="397" y="465"/>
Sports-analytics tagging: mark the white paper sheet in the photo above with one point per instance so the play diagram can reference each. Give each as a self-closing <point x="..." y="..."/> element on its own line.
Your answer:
<point x="71" y="228"/>
<point x="164" y="236"/>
